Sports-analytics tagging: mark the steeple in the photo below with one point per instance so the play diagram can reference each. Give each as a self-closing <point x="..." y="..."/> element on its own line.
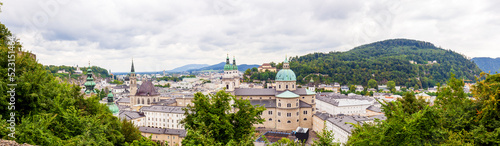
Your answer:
<point x="132" y="70"/>
<point x="234" y="64"/>
<point x="89" y="84"/>
<point x="227" y="59"/>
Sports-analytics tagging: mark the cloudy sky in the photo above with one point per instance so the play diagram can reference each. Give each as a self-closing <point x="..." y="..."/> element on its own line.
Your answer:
<point x="162" y="35"/>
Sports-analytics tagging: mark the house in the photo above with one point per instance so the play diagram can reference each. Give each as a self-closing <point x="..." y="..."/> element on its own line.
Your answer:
<point x="266" y="66"/>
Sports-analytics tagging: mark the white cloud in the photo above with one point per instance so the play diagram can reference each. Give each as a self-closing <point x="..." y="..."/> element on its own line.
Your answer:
<point x="163" y="35"/>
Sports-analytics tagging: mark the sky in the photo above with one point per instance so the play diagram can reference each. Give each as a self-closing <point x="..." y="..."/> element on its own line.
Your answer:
<point x="162" y="35"/>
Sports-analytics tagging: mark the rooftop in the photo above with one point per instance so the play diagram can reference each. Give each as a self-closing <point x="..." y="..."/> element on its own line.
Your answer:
<point x="180" y="132"/>
<point x="163" y="109"/>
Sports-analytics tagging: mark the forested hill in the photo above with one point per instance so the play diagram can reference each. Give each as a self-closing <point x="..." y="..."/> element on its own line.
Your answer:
<point x="384" y="61"/>
<point x="486" y="64"/>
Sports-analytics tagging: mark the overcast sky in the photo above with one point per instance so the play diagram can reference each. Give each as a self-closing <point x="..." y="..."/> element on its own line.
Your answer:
<point x="162" y="35"/>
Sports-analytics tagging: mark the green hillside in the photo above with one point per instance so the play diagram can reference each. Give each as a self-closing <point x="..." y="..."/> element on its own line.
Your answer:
<point x="384" y="61"/>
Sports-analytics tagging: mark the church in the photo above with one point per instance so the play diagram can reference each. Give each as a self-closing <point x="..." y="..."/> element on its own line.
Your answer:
<point x="287" y="106"/>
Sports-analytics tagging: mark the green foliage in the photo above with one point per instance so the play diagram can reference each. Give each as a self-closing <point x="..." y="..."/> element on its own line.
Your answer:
<point x="143" y="141"/>
<point x="455" y="119"/>
<point x="391" y="85"/>
<point x="175" y="79"/>
<point x="372" y="84"/>
<point x="52" y="113"/>
<point x="118" y="82"/>
<point x="214" y="121"/>
<point x="325" y="138"/>
<point x="384" y="61"/>
<point x="98" y="71"/>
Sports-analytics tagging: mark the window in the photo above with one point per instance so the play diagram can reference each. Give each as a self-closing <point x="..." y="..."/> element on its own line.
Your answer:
<point x="305" y="119"/>
<point x="305" y="112"/>
<point x="279" y="113"/>
<point x="270" y="112"/>
<point x="297" y="120"/>
<point x="270" y="119"/>
<point x="288" y="114"/>
<point x="297" y="113"/>
<point x="288" y="121"/>
<point x="303" y="97"/>
<point x="287" y="86"/>
<point x="269" y="97"/>
<point x="296" y="104"/>
<point x="279" y="104"/>
<point x="293" y="86"/>
<point x="312" y="101"/>
<point x="250" y="97"/>
<point x="260" y="97"/>
<point x="279" y="120"/>
<point x="289" y="105"/>
<point x="279" y="86"/>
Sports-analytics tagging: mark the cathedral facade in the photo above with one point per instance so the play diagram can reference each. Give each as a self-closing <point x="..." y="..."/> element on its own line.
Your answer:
<point x="287" y="106"/>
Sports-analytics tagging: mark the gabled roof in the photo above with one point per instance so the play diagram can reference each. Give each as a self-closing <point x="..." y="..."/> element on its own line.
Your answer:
<point x="287" y="94"/>
<point x="147" y="89"/>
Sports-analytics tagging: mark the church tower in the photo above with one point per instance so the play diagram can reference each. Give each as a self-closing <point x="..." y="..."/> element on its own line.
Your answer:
<point x="235" y="74"/>
<point x="133" y="80"/>
<point x="89" y="84"/>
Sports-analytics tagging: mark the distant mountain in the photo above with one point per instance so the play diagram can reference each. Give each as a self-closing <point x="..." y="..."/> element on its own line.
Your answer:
<point x="188" y="67"/>
<point x="220" y="66"/>
<point x="488" y="64"/>
<point x="388" y="60"/>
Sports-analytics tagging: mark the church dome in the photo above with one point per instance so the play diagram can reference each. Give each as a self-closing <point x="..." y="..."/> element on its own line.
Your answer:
<point x="235" y="67"/>
<point x="228" y="67"/>
<point x="285" y="75"/>
<point x="113" y="108"/>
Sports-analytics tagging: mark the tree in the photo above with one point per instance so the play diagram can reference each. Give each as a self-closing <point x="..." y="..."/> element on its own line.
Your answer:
<point x="392" y="86"/>
<point x="212" y="120"/>
<point x="416" y="87"/>
<point x="372" y="84"/>
<point x="325" y="138"/>
<point x="352" y="88"/>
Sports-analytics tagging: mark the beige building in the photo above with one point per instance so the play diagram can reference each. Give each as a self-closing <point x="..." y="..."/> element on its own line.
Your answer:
<point x="266" y="66"/>
<point x="170" y="136"/>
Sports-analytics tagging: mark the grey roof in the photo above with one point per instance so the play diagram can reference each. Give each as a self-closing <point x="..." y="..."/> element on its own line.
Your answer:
<point x="147" y="88"/>
<point x="254" y="92"/>
<point x="323" y="116"/>
<point x="343" y="122"/>
<point x="304" y="104"/>
<point x="300" y="91"/>
<point x="121" y="87"/>
<point x="123" y="100"/>
<point x="163" y="109"/>
<point x="129" y="115"/>
<point x="180" y="132"/>
<point x="380" y="117"/>
<point x="267" y="103"/>
<point x="164" y="102"/>
<point x="331" y="97"/>
<point x="374" y="108"/>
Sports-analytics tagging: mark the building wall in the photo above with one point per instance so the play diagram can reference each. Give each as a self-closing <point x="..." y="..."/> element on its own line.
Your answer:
<point x="184" y="101"/>
<point x="318" y="124"/>
<point x="340" y="135"/>
<point x="306" y="120"/>
<point x="256" y="97"/>
<point x="283" y="102"/>
<point x="282" y="85"/>
<point x="282" y="123"/>
<point x="269" y="116"/>
<point x="146" y="100"/>
<point x="163" y="120"/>
<point x="169" y="138"/>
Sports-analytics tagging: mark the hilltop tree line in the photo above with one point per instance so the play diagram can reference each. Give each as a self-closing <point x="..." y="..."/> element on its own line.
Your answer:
<point x="385" y="61"/>
<point x="98" y="71"/>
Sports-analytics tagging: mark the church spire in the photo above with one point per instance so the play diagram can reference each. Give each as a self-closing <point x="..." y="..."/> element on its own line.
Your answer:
<point x="132" y="70"/>
<point x="227" y="59"/>
<point x="234" y="60"/>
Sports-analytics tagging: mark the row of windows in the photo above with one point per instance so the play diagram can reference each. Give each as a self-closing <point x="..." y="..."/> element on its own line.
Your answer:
<point x="286" y="86"/>
<point x="271" y="119"/>
<point x="287" y="114"/>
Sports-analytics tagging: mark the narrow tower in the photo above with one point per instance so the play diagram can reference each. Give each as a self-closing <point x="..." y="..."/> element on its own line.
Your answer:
<point x="89" y="84"/>
<point x="133" y="80"/>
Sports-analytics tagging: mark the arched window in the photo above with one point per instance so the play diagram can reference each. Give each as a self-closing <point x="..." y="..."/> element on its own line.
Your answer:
<point x="293" y="86"/>
<point x="288" y="121"/>
<point x="138" y="101"/>
<point x="148" y="101"/>
<point x="279" y="86"/>
<point x="270" y="119"/>
<point x="305" y="119"/>
<point x="142" y="101"/>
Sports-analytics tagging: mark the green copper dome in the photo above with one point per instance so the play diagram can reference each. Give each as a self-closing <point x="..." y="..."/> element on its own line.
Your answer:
<point x="228" y="66"/>
<point x="285" y="75"/>
<point x="113" y="108"/>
